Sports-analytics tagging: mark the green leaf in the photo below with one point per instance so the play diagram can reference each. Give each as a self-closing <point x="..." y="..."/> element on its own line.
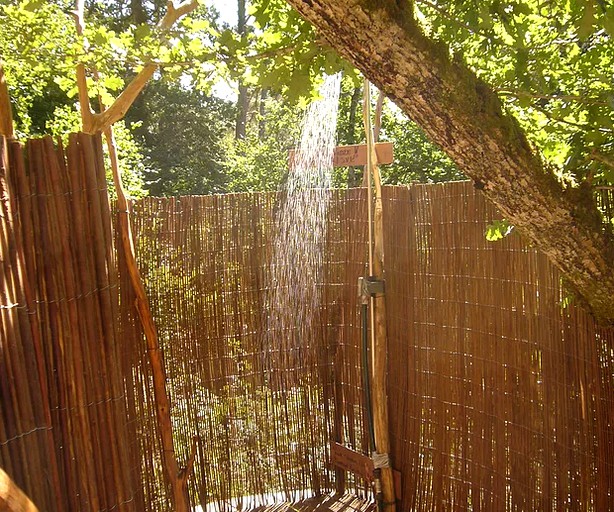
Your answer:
<point x="195" y="45"/>
<point x="498" y="229"/>
<point x="587" y="21"/>
<point x="33" y="5"/>
<point x="141" y="32"/>
<point x="271" y="38"/>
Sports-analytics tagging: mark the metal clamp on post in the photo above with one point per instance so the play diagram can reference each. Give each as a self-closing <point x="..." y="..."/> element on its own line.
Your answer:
<point x="371" y="287"/>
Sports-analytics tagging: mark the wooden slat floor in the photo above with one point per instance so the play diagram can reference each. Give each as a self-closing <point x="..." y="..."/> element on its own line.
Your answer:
<point x="328" y="503"/>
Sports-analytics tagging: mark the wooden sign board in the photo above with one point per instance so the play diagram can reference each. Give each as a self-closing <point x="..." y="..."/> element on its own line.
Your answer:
<point x="352" y="461"/>
<point x="356" y="154"/>
<point x="359" y="464"/>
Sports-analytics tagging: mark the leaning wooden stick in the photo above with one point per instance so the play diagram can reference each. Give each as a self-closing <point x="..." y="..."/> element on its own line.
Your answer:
<point x="12" y="498"/>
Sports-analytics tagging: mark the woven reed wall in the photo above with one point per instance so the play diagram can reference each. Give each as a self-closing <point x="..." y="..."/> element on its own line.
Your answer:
<point x="500" y="399"/>
<point x="65" y="432"/>
<point x="263" y="425"/>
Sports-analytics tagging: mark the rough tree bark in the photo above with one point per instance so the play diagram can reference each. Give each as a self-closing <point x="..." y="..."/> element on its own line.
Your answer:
<point x="243" y="99"/>
<point x="465" y="117"/>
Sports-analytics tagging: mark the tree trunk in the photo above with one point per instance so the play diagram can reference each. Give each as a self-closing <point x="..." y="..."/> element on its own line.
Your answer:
<point x="262" y="111"/>
<point x="465" y="117"/>
<point x="354" y="102"/>
<point x="243" y="99"/>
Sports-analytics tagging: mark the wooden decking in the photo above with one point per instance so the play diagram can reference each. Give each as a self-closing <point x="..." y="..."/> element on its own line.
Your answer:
<point x="328" y="503"/>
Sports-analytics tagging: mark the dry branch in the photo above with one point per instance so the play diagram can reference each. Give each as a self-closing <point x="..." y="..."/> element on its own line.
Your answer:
<point x="177" y="478"/>
<point x="6" y="113"/>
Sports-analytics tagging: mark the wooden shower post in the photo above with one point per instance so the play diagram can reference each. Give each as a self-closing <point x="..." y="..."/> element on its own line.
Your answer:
<point x="379" y="345"/>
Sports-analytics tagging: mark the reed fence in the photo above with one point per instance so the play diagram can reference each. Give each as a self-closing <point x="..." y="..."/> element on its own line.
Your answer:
<point x="500" y="397"/>
<point x="65" y="433"/>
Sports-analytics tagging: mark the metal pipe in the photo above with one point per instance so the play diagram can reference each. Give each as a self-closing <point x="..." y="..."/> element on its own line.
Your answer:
<point x="365" y="371"/>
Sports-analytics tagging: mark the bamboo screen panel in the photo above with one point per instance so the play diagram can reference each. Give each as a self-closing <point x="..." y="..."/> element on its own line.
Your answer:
<point x="65" y="437"/>
<point x="263" y="432"/>
<point x="500" y="398"/>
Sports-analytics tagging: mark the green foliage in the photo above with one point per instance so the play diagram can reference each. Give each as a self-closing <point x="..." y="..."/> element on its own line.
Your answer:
<point x="550" y="61"/>
<point x="498" y="229"/>
<point x="36" y="40"/>
<point x="260" y="161"/>
<point x="182" y="133"/>
<point x="552" y="64"/>
<point x="281" y="52"/>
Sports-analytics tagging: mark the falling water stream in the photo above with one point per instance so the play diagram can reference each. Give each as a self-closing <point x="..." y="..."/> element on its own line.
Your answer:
<point x="295" y="270"/>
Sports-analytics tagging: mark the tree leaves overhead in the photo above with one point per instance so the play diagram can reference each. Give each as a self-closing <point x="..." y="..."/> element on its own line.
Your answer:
<point x="551" y="61"/>
<point x="281" y="52"/>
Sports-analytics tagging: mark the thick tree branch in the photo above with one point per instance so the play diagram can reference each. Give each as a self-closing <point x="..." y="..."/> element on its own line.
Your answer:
<point x="123" y="102"/>
<point x="174" y="13"/>
<point x="604" y="159"/>
<point x="465" y="117"/>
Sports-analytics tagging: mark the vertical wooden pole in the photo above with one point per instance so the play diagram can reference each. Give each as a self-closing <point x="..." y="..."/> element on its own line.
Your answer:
<point x="6" y="113"/>
<point x="379" y="349"/>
